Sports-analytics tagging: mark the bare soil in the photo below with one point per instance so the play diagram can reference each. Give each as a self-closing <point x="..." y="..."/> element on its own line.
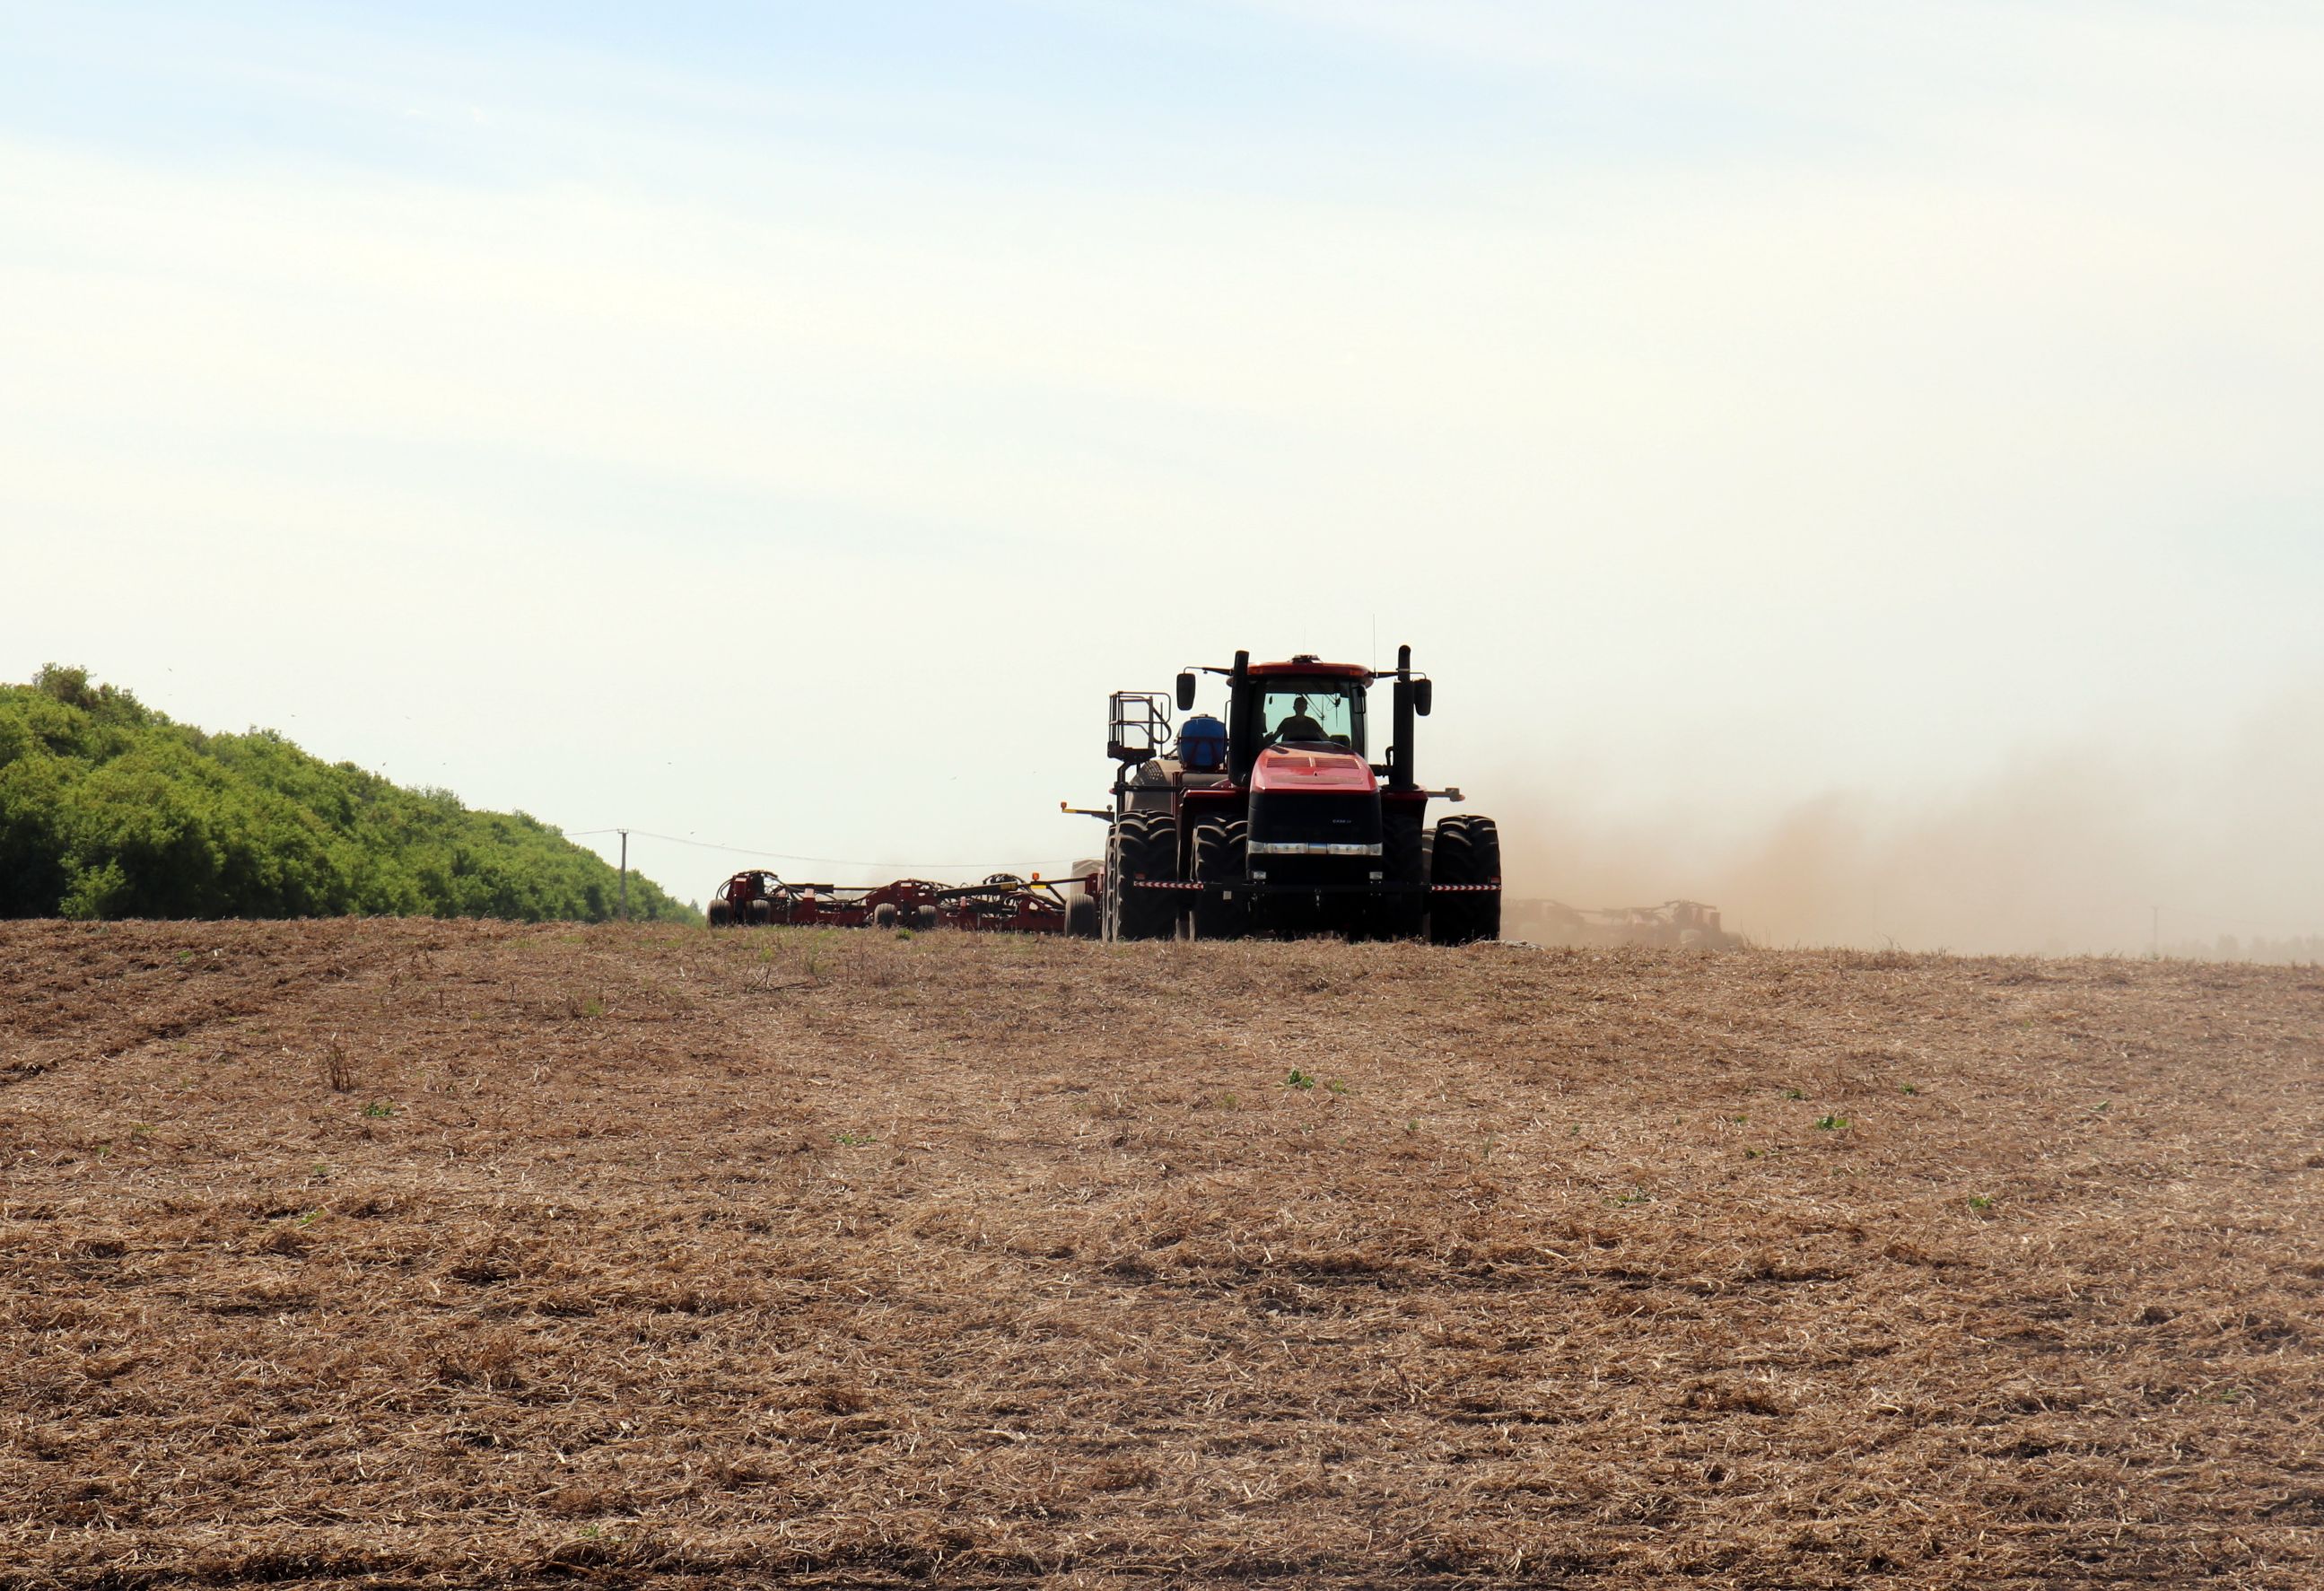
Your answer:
<point x="431" y="1254"/>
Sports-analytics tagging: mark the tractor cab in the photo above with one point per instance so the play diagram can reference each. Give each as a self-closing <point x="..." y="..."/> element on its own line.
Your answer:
<point x="1312" y="710"/>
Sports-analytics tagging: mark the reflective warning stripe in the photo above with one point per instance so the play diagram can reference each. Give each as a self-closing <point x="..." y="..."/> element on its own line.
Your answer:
<point x="1196" y="884"/>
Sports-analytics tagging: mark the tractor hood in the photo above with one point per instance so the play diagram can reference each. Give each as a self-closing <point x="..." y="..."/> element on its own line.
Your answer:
<point x="1283" y="770"/>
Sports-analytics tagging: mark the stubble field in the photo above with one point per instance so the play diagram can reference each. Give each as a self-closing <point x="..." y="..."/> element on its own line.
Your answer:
<point x="431" y="1254"/>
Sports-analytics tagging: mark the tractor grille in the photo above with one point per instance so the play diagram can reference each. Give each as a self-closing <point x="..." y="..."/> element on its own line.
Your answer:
<point x="1307" y="824"/>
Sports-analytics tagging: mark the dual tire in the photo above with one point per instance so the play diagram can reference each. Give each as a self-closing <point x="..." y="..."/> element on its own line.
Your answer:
<point x="1465" y="851"/>
<point x="1142" y="845"/>
<point x="1222" y="852"/>
<point x="1404" y="858"/>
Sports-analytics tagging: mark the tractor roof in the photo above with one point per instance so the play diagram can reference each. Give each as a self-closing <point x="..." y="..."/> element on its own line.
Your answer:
<point x="1305" y="663"/>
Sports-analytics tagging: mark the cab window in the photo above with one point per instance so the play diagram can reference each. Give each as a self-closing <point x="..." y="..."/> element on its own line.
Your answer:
<point x="1332" y="712"/>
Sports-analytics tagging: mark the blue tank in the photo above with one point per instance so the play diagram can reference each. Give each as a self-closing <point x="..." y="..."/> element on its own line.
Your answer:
<point x="1203" y="743"/>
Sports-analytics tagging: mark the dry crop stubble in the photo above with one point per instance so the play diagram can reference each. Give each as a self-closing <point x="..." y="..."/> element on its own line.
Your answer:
<point x="674" y="1257"/>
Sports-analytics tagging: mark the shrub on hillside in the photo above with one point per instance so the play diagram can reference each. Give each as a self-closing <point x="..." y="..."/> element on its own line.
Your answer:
<point x="107" y="809"/>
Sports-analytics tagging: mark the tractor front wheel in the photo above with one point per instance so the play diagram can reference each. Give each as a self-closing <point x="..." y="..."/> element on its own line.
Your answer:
<point x="1466" y="854"/>
<point x="1144" y="847"/>
<point x="1220" y="850"/>
<point x="1404" y="858"/>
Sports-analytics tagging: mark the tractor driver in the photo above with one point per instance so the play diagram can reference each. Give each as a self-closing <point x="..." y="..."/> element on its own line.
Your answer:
<point x="1298" y="726"/>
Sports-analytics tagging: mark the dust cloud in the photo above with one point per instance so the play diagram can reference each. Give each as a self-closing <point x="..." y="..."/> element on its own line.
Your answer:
<point x="2211" y="849"/>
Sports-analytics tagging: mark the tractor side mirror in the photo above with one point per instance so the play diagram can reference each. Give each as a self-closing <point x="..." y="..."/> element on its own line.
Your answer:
<point x="1423" y="690"/>
<point x="1185" y="693"/>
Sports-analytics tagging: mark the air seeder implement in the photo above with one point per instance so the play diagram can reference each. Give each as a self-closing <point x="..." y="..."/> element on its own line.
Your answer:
<point x="1277" y="820"/>
<point x="1003" y="903"/>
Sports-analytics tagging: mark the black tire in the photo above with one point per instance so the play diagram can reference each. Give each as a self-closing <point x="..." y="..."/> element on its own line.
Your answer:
<point x="1110" y="907"/>
<point x="925" y="918"/>
<point x="883" y="915"/>
<point x="1485" y="843"/>
<point x="762" y="913"/>
<point x="1404" y="858"/>
<point x="721" y="913"/>
<point x="1081" y="917"/>
<point x="1449" y="863"/>
<point x="1084" y="918"/>
<point x="1219" y="853"/>
<point x="1145" y="845"/>
<point x="1467" y="853"/>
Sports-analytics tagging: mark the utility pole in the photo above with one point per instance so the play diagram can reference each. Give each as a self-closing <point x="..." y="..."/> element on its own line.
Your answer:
<point x="625" y="875"/>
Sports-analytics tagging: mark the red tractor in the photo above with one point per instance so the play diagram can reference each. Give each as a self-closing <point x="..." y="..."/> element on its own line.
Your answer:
<point x="1277" y="821"/>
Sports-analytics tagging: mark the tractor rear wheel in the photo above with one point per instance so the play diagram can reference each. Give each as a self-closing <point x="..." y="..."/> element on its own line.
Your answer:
<point x="1144" y="847"/>
<point x="1467" y="854"/>
<point x="1219" y="851"/>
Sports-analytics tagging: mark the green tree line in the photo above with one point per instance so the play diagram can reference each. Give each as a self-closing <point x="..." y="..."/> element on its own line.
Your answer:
<point x="107" y="809"/>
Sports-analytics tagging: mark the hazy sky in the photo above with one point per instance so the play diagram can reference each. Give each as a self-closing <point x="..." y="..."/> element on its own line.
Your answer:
<point x="784" y="424"/>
